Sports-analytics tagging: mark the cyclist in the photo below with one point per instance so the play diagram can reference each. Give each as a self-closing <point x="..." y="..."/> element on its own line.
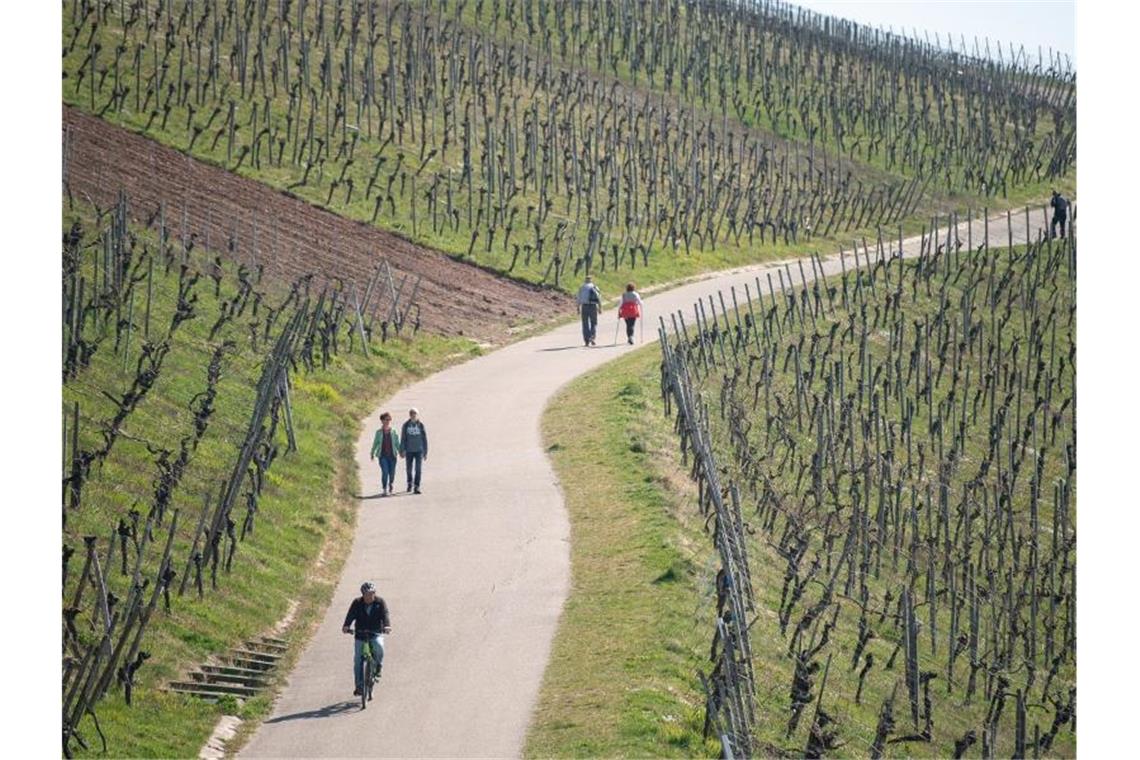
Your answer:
<point x="370" y="614"/>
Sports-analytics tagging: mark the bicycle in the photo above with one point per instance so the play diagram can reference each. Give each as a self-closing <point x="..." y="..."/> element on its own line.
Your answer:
<point x="368" y="678"/>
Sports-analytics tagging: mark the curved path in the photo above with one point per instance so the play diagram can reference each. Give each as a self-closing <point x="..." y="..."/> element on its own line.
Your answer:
<point x="476" y="569"/>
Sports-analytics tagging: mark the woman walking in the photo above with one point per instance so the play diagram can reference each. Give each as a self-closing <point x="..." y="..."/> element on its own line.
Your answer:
<point x="385" y="445"/>
<point x="630" y="309"/>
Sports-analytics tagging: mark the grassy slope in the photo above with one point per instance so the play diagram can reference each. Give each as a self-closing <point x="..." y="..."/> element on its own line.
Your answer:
<point x="307" y="508"/>
<point x="953" y="716"/>
<point x="868" y="166"/>
<point x="622" y="677"/>
<point x="637" y="513"/>
<point x="664" y="264"/>
<point x="339" y="415"/>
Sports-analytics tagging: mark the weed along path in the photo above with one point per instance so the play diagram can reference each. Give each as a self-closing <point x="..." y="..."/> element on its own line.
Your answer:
<point x="475" y="570"/>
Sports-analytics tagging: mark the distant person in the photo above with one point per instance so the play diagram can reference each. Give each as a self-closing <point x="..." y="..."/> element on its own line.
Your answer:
<point x="370" y="614"/>
<point x="385" y="446"/>
<point x="630" y="309"/>
<point x="414" y="447"/>
<point x="589" y="305"/>
<point x="1060" y="206"/>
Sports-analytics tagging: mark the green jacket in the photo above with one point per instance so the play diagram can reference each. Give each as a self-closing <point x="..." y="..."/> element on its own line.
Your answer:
<point x="378" y="442"/>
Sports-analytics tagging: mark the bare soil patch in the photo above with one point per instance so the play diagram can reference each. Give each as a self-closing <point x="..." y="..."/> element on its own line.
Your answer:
<point x="290" y="237"/>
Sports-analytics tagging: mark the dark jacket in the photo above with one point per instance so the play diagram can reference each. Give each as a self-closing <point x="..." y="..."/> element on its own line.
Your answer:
<point x="413" y="438"/>
<point x="370" y="617"/>
<point x="1060" y="206"/>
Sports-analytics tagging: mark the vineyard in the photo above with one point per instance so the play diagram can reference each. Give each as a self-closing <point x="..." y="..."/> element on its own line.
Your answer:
<point x="887" y="464"/>
<point x="550" y="139"/>
<point x="201" y="406"/>
<point x="276" y="212"/>
<point x="285" y="238"/>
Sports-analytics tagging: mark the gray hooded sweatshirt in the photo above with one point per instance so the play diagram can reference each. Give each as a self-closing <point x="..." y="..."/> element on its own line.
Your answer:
<point x="584" y="294"/>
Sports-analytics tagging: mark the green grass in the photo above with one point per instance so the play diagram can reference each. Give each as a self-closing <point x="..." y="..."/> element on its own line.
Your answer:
<point x="665" y="264"/>
<point x="773" y="43"/>
<point x="306" y="512"/>
<point x="953" y="715"/>
<point x="640" y="591"/>
<point x="622" y="677"/>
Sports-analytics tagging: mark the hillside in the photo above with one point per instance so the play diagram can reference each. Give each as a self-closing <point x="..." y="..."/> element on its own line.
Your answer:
<point x="646" y="140"/>
<point x="287" y="238"/>
<point x="276" y="214"/>
<point x="191" y="468"/>
<point x="889" y="464"/>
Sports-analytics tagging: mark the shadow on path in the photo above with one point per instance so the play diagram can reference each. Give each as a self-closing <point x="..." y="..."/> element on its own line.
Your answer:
<point x="571" y="348"/>
<point x="325" y="712"/>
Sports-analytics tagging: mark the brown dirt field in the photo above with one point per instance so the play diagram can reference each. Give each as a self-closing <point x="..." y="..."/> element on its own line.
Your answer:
<point x="293" y="237"/>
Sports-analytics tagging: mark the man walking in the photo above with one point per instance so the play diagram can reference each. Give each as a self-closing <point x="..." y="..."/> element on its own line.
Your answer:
<point x="414" y="447"/>
<point x="1060" y="206"/>
<point x="589" y="304"/>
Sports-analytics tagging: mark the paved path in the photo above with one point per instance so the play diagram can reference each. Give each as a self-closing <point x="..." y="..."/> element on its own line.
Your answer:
<point x="476" y="569"/>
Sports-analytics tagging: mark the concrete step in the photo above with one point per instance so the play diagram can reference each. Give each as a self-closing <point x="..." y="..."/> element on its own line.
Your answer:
<point x="261" y="666"/>
<point x="242" y="672"/>
<point x="253" y="654"/>
<point x="224" y="688"/>
<point x="237" y="679"/>
<point x="233" y="670"/>
<point x="211" y="691"/>
<point x="267" y="646"/>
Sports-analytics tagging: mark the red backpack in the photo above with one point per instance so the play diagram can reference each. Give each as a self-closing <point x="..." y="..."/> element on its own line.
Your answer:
<point x="629" y="310"/>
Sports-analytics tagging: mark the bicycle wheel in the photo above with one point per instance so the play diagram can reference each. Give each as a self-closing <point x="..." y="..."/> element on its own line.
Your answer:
<point x="366" y="684"/>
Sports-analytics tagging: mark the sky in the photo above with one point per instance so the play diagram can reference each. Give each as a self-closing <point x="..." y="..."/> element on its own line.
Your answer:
<point x="1029" y="22"/>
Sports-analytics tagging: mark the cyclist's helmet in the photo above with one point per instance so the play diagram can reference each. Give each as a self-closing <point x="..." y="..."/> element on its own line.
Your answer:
<point x="367" y="586"/>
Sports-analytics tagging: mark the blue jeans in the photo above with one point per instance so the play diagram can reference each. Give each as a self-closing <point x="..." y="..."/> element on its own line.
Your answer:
<point x="589" y="322"/>
<point x="416" y="458"/>
<point x="387" y="471"/>
<point x="358" y="657"/>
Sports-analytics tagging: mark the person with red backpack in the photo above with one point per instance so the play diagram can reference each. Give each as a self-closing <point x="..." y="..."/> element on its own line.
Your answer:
<point x="630" y="310"/>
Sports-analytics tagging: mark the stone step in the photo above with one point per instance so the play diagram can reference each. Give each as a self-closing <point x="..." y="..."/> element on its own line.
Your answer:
<point x="271" y="646"/>
<point x="242" y="672"/>
<point x="253" y="654"/>
<point x="214" y="690"/>
<point x="234" y="670"/>
<point x="261" y="666"/>
<point x="237" y="679"/>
